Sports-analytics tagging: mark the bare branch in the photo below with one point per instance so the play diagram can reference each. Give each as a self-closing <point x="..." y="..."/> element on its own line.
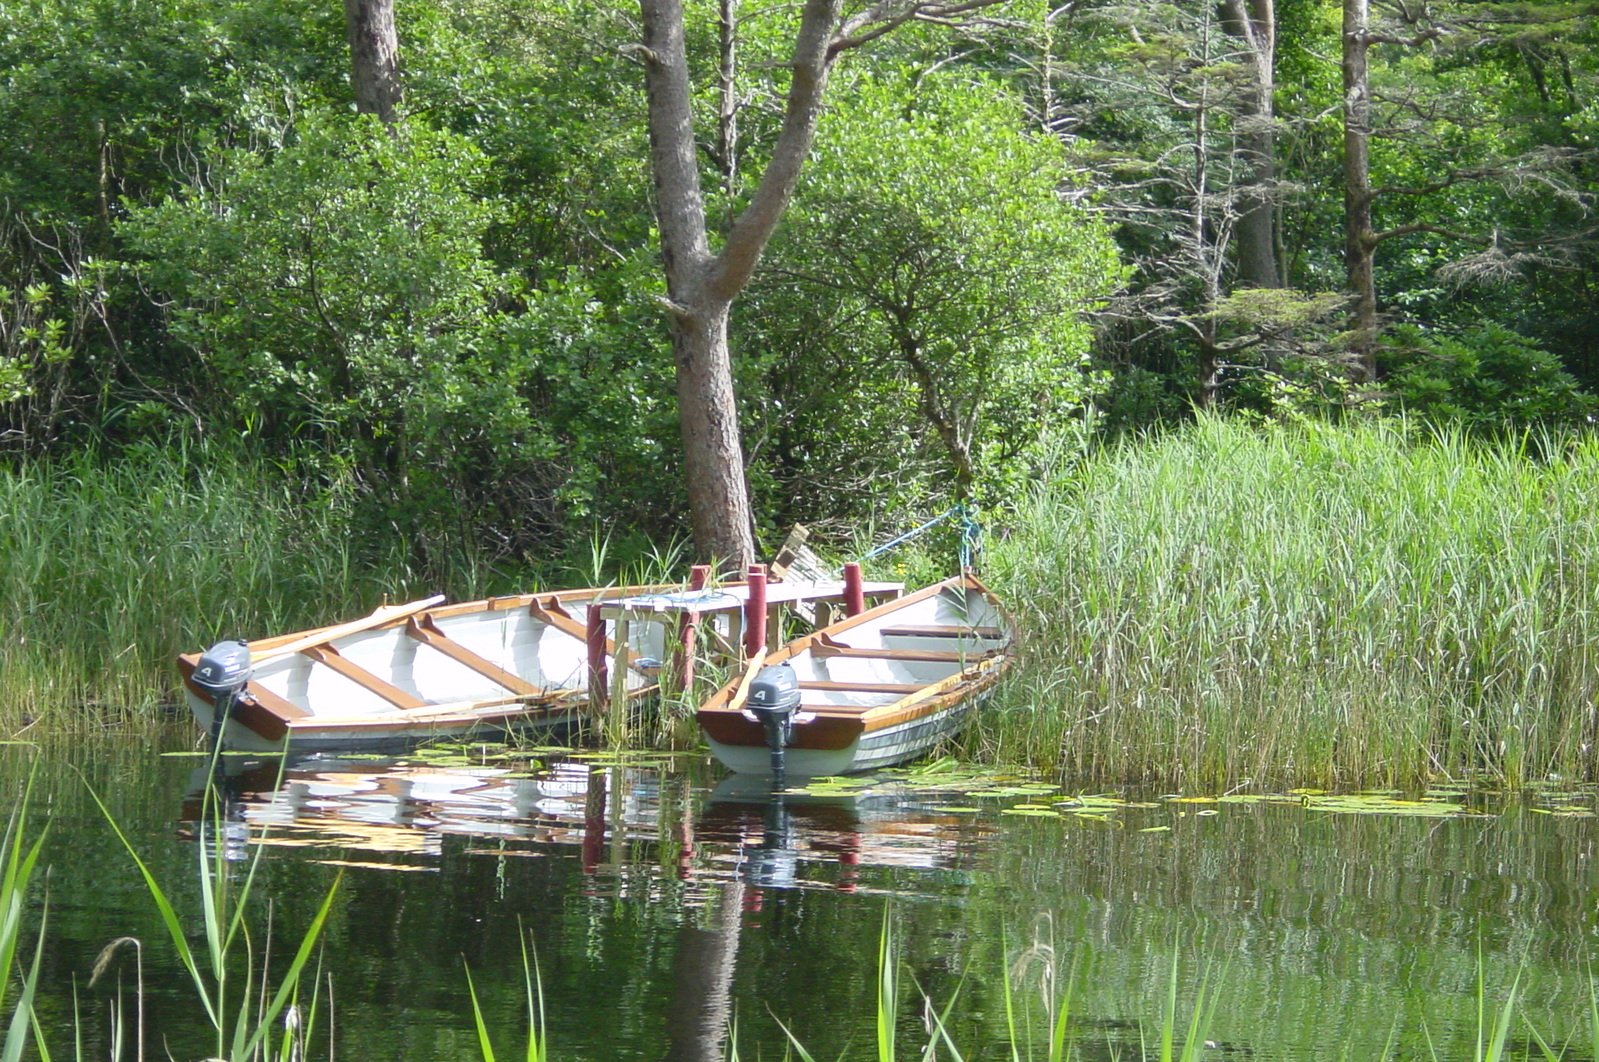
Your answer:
<point x="883" y="18"/>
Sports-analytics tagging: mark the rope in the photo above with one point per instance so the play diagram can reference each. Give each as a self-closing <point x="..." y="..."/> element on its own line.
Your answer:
<point x="971" y="532"/>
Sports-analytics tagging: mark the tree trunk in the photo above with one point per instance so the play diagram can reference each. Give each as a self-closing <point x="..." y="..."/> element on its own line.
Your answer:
<point x="701" y="286"/>
<point x="374" y="57"/>
<point x="1209" y="259"/>
<point x="713" y="454"/>
<point x="1360" y="242"/>
<point x="1255" y="23"/>
<point x="945" y="420"/>
<point x="727" y="109"/>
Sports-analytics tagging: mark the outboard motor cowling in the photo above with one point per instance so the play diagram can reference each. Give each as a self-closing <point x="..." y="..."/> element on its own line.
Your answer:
<point x="221" y="675"/>
<point x="774" y="698"/>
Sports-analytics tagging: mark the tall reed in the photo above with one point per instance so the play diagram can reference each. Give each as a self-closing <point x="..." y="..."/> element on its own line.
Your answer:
<point x="1314" y="604"/>
<point x="108" y="569"/>
<point x="241" y="1020"/>
<point x="20" y="860"/>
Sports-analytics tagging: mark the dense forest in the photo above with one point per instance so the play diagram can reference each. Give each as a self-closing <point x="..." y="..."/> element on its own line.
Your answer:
<point x="506" y="273"/>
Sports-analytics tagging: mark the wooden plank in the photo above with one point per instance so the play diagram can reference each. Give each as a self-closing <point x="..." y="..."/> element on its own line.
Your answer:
<point x="552" y="614"/>
<point x="616" y="722"/>
<point x="824" y="648"/>
<point x="278" y="706"/>
<point x="969" y="677"/>
<point x="861" y="687"/>
<point x="941" y="630"/>
<point x="329" y="656"/>
<point x="557" y="617"/>
<point x="455" y="713"/>
<point x="742" y="691"/>
<point x="774" y="626"/>
<point x="427" y="632"/>
<point x="934" y="700"/>
<point x="386" y="614"/>
<point x="553" y="604"/>
<point x="788" y="552"/>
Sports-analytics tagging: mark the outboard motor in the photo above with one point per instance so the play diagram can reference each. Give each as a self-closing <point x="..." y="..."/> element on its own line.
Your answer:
<point x="774" y="699"/>
<point x="221" y="675"/>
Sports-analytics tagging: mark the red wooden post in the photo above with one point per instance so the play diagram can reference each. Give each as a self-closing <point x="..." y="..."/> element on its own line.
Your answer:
<point x="755" y="611"/>
<point x="688" y="631"/>
<point x="854" y="590"/>
<point x="599" y="687"/>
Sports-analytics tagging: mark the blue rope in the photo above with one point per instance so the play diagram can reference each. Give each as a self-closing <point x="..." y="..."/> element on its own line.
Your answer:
<point x="971" y="532"/>
<point x="971" y="535"/>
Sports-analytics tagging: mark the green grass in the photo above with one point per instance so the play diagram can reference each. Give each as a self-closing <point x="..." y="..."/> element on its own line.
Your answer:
<point x="1226" y="606"/>
<point x="21" y="859"/>
<point x="1219" y="607"/>
<point x="109" y="569"/>
<point x="244" y="1027"/>
<point x="1052" y="1036"/>
<point x="242" y="1016"/>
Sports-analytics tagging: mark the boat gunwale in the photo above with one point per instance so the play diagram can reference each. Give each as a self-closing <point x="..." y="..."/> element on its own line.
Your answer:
<point x="722" y="720"/>
<point x="721" y="700"/>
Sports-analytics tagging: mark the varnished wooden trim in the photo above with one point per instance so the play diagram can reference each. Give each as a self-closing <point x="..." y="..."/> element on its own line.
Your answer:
<point x="827" y="649"/>
<point x="861" y="687"/>
<point x="552" y="614"/>
<point x="440" y="717"/>
<point x="255" y="699"/>
<point x="329" y="656"/>
<point x="939" y="696"/>
<point x="388" y="614"/>
<point x="426" y="631"/>
<point x="941" y="630"/>
<point x="967" y="583"/>
<point x="281" y="707"/>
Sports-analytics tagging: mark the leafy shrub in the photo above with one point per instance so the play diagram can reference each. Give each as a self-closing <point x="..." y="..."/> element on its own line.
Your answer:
<point x="1488" y="377"/>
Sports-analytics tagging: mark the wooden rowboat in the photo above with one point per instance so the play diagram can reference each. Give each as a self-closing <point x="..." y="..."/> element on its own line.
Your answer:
<point x="411" y="673"/>
<point x="873" y="690"/>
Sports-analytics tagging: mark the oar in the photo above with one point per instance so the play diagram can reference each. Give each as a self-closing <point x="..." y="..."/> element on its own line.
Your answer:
<point x="742" y="692"/>
<point x="382" y="615"/>
<point x="942" y="686"/>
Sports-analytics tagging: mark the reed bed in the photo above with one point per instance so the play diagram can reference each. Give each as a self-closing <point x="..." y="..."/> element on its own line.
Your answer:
<point x="109" y="569"/>
<point x="1312" y="605"/>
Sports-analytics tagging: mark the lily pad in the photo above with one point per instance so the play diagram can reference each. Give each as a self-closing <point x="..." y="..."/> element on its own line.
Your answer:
<point x="1361" y="804"/>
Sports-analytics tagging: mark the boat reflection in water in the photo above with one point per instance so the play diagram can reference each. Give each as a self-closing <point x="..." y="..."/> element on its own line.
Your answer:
<point x="620" y="821"/>
<point x="727" y="856"/>
<point x="790" y="840"/>
<point x="408" y="808"/>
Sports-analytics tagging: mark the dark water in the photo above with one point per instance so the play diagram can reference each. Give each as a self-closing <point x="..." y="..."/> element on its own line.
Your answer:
<point x="665" y="907"/>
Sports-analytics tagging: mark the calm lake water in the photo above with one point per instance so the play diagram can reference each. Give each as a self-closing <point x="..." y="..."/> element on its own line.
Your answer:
<point x="666" y="904"/>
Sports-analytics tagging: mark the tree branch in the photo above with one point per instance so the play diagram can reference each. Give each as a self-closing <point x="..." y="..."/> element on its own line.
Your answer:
<point x="885" y="17"/>
<point x="746" y="240"/>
